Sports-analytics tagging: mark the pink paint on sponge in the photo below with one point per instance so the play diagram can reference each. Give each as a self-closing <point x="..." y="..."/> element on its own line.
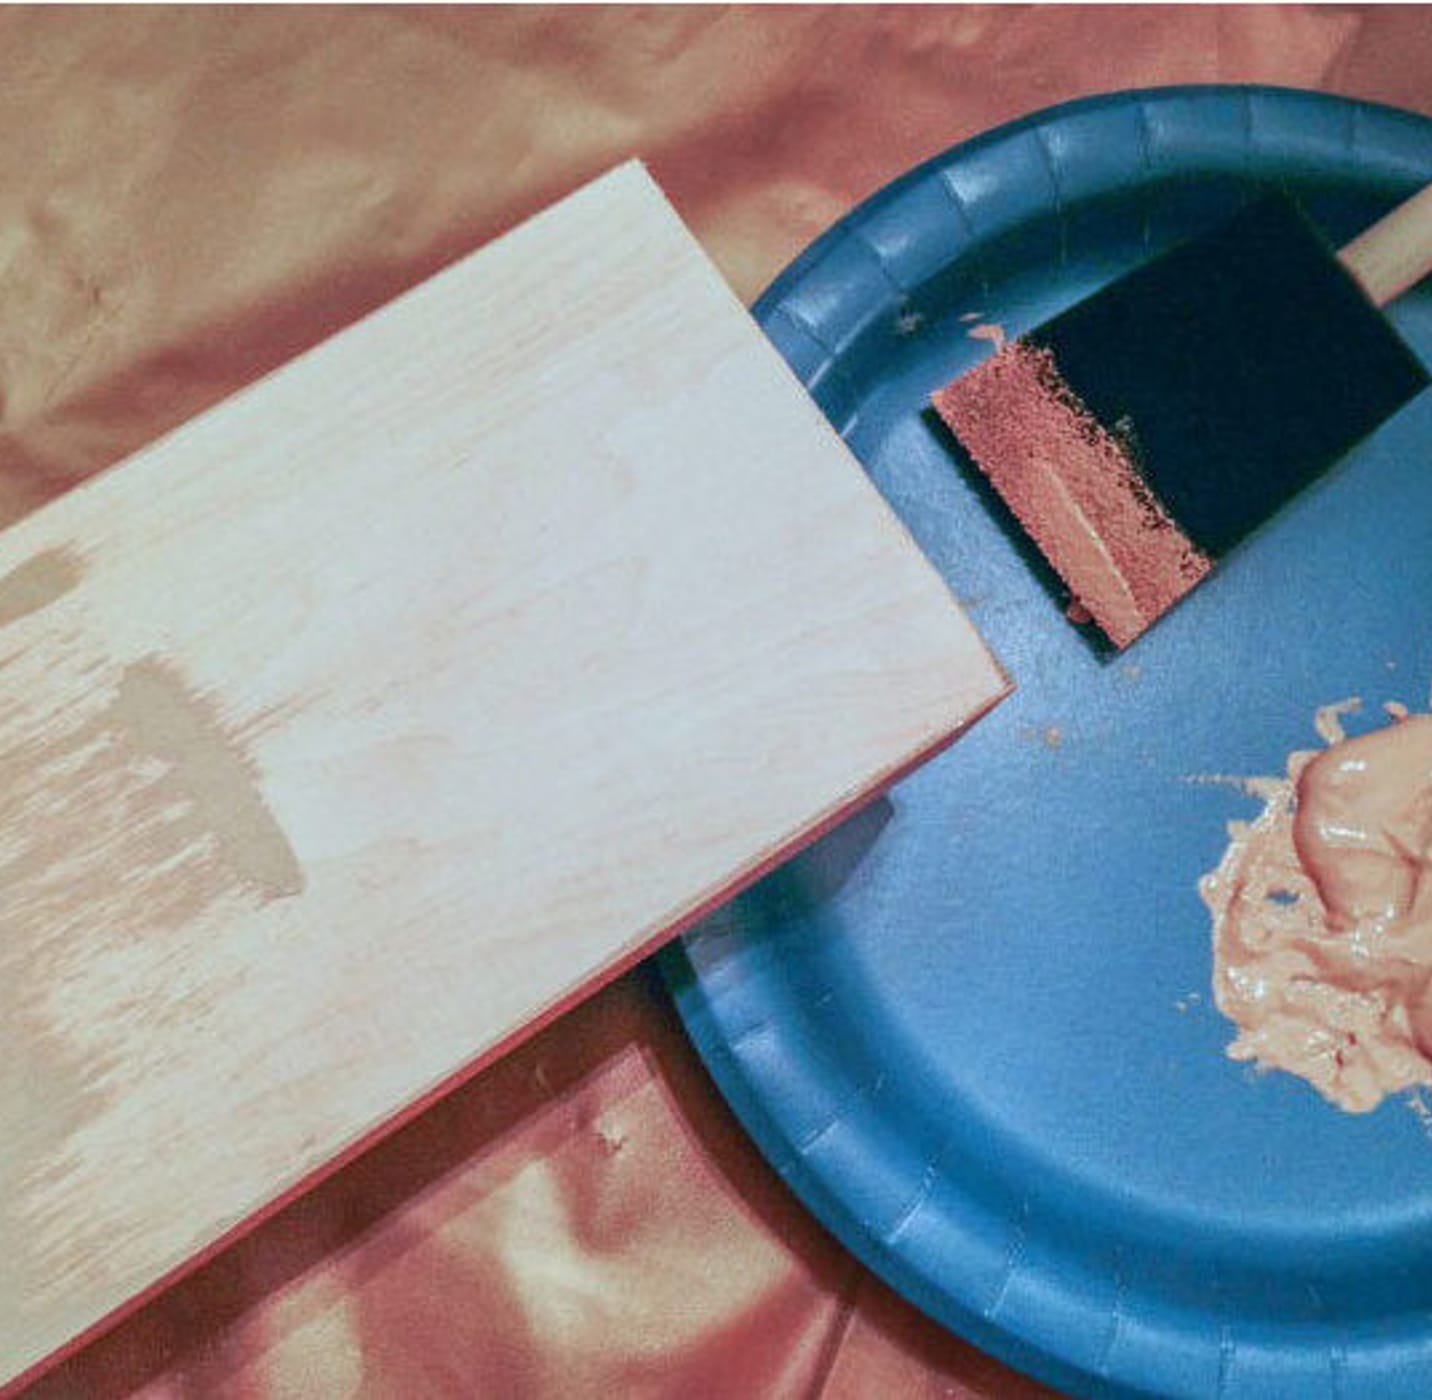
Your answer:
<point x="1074" y="487"/>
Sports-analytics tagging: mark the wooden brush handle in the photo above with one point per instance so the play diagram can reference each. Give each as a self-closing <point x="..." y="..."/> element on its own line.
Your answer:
<point x="1396" y="251"/>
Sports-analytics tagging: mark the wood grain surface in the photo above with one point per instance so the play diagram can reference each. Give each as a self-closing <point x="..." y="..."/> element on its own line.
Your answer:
<point x="368" y="718"/>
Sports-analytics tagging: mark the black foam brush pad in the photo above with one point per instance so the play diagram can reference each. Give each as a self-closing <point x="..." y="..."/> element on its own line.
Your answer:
<point x="1236" y="367"/>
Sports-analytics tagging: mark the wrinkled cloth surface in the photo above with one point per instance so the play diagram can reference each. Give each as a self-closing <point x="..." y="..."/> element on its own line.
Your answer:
<point x="188" y="197"/>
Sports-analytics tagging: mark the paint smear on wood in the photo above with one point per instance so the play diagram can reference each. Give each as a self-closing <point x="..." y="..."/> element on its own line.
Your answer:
<point x="131" y="823"/>
<point x="213" y="773"/>
<point x="37" y="583"/>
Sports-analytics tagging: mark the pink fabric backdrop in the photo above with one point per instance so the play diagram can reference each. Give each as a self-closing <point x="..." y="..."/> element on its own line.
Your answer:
<point x="190" y="196"/>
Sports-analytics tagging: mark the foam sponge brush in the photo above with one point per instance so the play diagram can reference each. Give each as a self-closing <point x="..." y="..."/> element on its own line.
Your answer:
<point x="1141" y="434"/>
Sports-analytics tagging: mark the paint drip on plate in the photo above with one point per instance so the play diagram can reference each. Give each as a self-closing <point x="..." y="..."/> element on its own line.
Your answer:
<point x="1322" y="914"/>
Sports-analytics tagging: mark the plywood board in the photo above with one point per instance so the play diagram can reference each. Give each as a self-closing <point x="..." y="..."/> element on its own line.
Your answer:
<point x="370" y="717"/>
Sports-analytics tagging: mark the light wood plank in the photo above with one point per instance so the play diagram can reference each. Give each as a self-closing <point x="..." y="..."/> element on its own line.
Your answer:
<point x="369" y="717"/>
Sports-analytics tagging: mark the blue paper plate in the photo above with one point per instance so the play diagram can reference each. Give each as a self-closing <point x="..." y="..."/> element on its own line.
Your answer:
<point x="972" y="1028"/>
